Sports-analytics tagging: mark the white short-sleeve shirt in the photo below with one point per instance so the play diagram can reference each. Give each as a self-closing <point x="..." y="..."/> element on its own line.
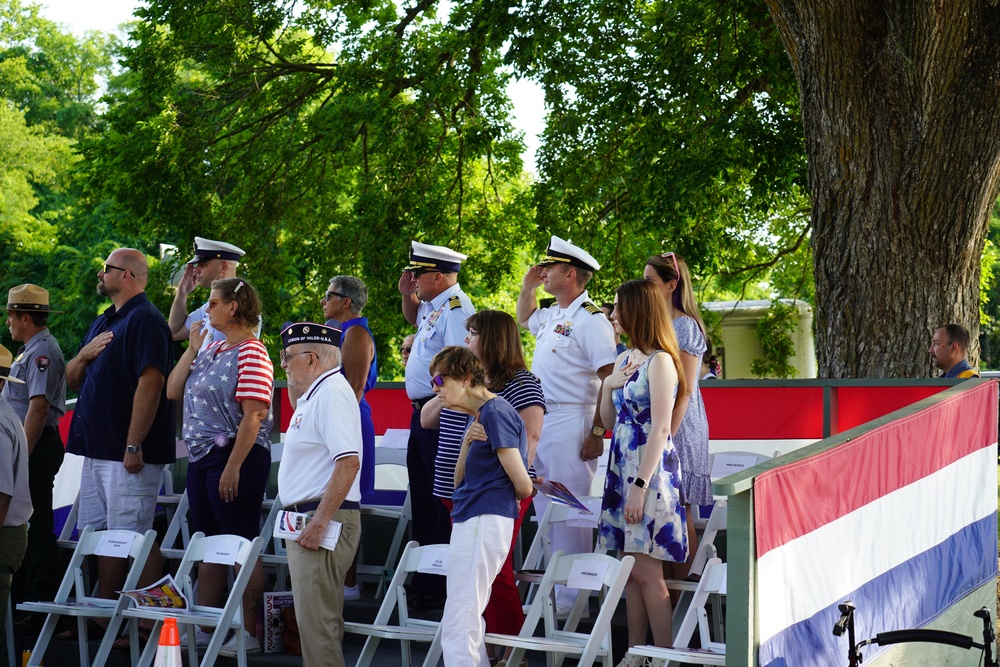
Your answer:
<point x="440" y="323"/>
<point x="572" y="344"/>
<point x="325" y="427"/>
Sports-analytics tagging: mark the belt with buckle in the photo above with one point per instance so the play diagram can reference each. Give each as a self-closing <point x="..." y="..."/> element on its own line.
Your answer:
<point x="311" y="505"/>
<point x="420" y="402"/>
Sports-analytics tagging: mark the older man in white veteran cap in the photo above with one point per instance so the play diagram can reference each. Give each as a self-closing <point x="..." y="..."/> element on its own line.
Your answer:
<point x="39" y="402"/>
<point x="433" y="302"/>
<point x="574" y="352"/>
<point x="15" y="499"/>
<point x="213" y="260"/>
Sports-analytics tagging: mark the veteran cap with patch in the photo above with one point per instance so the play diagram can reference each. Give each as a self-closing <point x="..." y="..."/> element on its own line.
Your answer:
<point x="206" y="250"/>
<point x="309" y="332"/>
<point x="424" y="257"/>
<point x="29" y="298"/>
<point x="564" y="252"/>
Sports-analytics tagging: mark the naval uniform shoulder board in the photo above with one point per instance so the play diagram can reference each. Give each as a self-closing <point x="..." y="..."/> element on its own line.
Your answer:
<point x="454" y="302"/>
<point x="591" y="308"/>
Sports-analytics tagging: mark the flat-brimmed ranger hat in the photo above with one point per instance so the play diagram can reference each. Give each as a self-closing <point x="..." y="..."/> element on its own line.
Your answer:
<point x="6" y="361"/>
<point x="29" y="298"/>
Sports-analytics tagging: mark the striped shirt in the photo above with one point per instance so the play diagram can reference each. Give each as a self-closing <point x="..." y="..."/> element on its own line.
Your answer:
<point x="523" y="391"/>
<point x="220" y="380"/>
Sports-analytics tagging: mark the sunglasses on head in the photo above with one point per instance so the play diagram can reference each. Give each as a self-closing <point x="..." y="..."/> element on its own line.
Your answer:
<point x="673" y="258"/>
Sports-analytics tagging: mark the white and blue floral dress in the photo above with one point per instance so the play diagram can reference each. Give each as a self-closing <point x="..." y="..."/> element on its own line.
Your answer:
<point x="662" y="533"/>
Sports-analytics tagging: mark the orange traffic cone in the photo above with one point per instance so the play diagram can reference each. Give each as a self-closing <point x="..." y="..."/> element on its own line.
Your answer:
<point x="168" y="651"/>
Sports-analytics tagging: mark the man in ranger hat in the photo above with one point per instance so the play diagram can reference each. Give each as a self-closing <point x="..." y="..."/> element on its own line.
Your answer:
<point x="319" y="475"/>
<point x="213" y="260"/>
<point x="39" y="401"/>
<point x="433" y="302"/>
<point x="15" y="498"/>
<point x="574" y="352"/>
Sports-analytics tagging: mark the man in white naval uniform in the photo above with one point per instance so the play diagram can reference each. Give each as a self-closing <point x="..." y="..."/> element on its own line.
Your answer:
<point x="432" y="301"/>
<point x="213" y="260"/>
<point x="574" y="352"/>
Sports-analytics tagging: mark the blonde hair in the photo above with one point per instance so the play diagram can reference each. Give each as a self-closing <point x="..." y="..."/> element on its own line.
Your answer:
<point x="643" y="316"/>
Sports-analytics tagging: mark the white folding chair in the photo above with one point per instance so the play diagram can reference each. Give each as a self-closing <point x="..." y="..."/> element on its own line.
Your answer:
<point x="540" y="550"/>
<point x="707" y="550"/>
<point x="406" y="629"/>
<point x="608" y="575"/>
<point x="713" y="650"/>
<point x="72" y="600"/>
<point x="274" y="553"/>
<point x="178" y="533"/>
<point x="401" y="515"/>
<point x="222" y="619"/>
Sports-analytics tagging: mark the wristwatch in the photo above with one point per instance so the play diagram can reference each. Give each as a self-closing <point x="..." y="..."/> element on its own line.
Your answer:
<point x="640" y="482"/>
<point x="133" y="449"/>
<point x="599" y="431"/>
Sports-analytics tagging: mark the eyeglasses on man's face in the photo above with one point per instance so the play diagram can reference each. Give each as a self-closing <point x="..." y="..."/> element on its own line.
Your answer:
<point x="113" y="267"/>
<point x="330" y="294"/>
<point x="287" y="357"/>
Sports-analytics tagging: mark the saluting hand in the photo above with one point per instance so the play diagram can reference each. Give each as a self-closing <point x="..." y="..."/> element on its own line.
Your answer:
<point x="533" y="278"/>
<point x="407" y="283"/>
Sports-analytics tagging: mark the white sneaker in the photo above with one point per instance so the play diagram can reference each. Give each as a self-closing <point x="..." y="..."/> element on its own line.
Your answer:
<point x="231" y="648"/>
<point x="352" y="592"/>
<point x="201" y="637"/>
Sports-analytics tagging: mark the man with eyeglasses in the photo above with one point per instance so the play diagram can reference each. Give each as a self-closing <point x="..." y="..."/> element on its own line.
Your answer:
<point x="574" y="352"/>
<point x="318" y="475"/>
<point x="435" y="304"/>
<point x="123" y="424"/>
<point x="213" y="260"/>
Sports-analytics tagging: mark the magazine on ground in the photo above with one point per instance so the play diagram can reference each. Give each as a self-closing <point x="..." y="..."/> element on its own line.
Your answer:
<point x="289" y="525"/>
<point x="164" y="594"/>
<point x="560" y="494"/>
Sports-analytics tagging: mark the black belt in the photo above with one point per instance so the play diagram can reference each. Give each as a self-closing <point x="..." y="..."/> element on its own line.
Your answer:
<point x="50" y="429"/>
<point x="311" y="505"/>
<point x="420" y="402"/>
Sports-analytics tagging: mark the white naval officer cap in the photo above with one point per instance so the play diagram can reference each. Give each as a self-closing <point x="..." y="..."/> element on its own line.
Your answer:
<point x="207" y="249"/>
<point x="424" y="257"/>
<point x="564" y="252"/>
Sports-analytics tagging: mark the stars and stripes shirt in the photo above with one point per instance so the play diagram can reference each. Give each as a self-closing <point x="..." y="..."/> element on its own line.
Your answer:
<point x="219" y="382"/>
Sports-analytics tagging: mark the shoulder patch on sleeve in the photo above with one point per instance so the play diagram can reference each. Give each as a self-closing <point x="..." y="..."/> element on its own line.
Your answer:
<point x="42" y="363"/>
<point x="454" y="302"/>
<point x="591" y="308"/>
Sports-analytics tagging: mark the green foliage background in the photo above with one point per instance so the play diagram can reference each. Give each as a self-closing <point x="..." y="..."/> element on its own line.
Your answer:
<point x="323" y="136"/>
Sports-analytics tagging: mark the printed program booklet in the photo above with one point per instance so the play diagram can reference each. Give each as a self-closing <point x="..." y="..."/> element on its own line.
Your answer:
<point x="289" y="525"/>
<point x="164" y="594"/>
<point x="560" y="494"/>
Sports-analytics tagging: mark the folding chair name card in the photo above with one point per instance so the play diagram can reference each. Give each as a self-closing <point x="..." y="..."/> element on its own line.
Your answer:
<point x="585" y="519"/>
<point x="434" y="560"/>
<point x="223" y="552"/>
<point x="289" y="526"/>
<point x="116" y="545"/>
<point x="395" y="438"/>
<point x="724" y="464"/>
<point x="587" y="574"/>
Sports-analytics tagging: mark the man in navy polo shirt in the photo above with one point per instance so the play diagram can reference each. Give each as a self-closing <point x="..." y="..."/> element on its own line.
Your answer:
<point x="123" y="422"/>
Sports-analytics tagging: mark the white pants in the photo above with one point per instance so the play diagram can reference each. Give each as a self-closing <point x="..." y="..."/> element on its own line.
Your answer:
<point x="558" y="459"/>
<point x="478" y="550"/>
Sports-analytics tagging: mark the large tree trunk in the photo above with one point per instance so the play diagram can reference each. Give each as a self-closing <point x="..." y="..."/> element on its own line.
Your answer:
<point x="901" y="108"/>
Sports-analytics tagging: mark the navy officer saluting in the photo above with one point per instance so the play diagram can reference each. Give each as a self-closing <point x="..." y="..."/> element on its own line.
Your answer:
<point x="574" y="352"/>
<point x="432" y="301"/>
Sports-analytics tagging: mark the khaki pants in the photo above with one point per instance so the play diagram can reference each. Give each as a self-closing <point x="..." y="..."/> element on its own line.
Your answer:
<point x="318" y="589"/>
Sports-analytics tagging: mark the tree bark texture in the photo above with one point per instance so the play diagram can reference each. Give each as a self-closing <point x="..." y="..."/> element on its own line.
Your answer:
<point x="901" y="112"/>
